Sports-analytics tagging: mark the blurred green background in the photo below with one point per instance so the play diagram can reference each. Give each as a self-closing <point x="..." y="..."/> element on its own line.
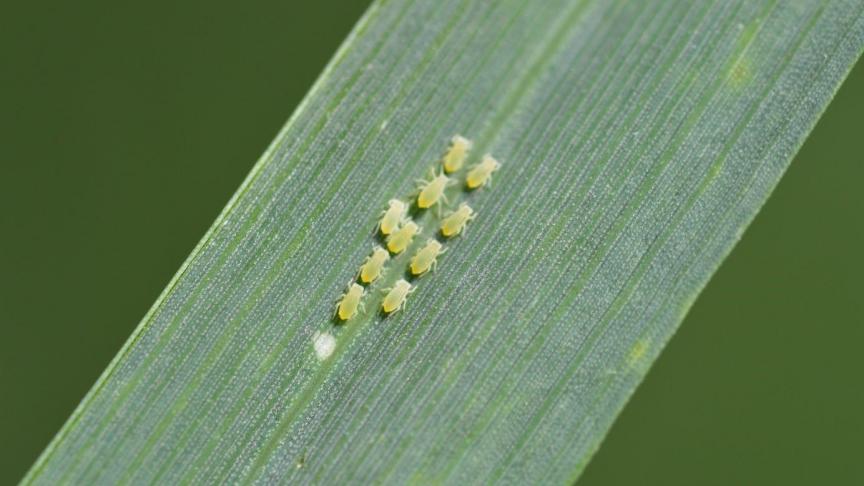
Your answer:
<point x="126" y="127"/>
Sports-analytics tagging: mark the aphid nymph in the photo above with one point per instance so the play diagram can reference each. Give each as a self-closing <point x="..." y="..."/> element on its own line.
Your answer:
<point x="392" y="217"/>
<point x="481" y="174"/>
<point x="401" y="238"/>
<point x="426" y="257"/>
<point x="350" y="302"/>
<point x="456" y="154"/>
<point x="453" y="224"/>
<point x="395" y="298"/>
<point x="432" y="191"/>
<point x="374" y="265"/>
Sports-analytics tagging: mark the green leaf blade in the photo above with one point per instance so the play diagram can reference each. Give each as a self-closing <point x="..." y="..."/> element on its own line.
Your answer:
<point x="637" y="141"/>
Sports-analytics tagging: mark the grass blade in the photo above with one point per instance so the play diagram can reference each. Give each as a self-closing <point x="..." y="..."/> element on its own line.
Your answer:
<point x="637" y="141"/>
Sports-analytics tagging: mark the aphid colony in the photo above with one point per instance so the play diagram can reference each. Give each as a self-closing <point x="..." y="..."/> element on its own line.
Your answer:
<point x="399" y="231"/>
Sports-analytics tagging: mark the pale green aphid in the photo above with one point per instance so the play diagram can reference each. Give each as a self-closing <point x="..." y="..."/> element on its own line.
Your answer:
<point x="374" y="265"/>
<point x="454" y="223"/>
<point x="426" y="257"/>
<point x="481" y="174"/>
<point x="399" y="240"/>
<point x="456" y="154"/>
<point x="395" y="298"/>
<point x="432" y="191"/>
<point x="392" y="217"/>
<point x="350" y="302"/>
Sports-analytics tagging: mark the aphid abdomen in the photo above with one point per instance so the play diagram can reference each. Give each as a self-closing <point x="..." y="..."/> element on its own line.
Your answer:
<point x="392" y="216"/>
<point x="401" y="238"/>
<point x="481" y="174"/>
<point x="432" y="191"/>
<point x="395" y="298"/>
<point x="426" y="257"/>
<point x="350" y="302"/>
<point x="456" y="154"/>
<point x="374" y="265"/>
<point x="453" y="224"/>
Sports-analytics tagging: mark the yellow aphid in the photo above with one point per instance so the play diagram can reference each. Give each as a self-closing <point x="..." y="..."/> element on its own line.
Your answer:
<point x="456" y="154"/>
<point x="395" y="298"/>
<point x="481" y="173"/>
<point x="453" y="224"/>
<point x="350" y="302"/>
<point x="432" y="191"/>
<point x="374" y="264"/>
<point x="392" y="216"/>
<point x="425" y="258"/>
<point x="401" y="238"/>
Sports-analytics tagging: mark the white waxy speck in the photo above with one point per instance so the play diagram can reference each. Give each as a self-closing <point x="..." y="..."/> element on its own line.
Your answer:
<point x="324" y="344"/>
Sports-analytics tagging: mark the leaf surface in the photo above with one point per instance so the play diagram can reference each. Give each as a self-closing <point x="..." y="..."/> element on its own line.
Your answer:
<point x="636" y="140"/>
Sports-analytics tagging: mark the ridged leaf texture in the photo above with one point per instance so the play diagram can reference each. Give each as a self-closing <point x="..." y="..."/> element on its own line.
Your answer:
<point x="637" y="141"/>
